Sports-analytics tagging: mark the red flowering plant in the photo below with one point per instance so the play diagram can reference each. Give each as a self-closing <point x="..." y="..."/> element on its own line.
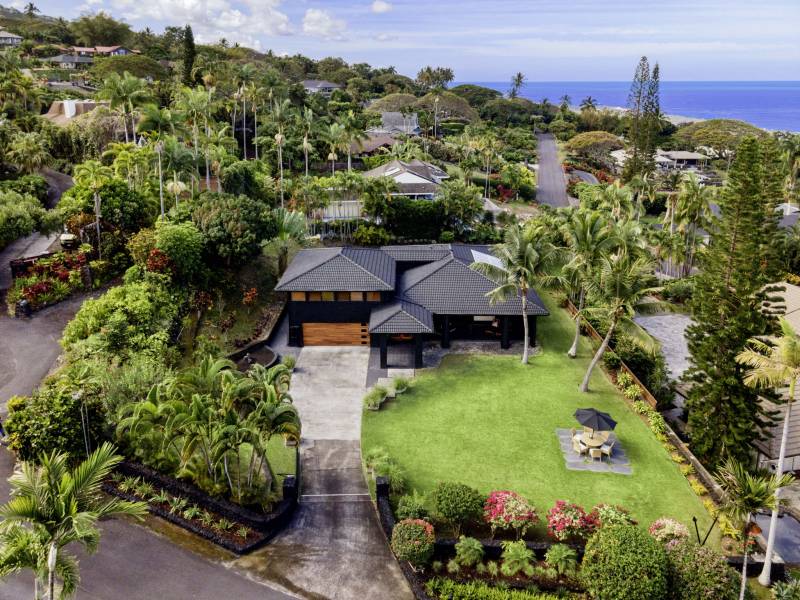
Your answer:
<point x="158" y="262"/>
<point x="413" y="540"/>
<point x="48" y="280"/>
<point x="509" y="510"/>
<point x="567" y="521"/>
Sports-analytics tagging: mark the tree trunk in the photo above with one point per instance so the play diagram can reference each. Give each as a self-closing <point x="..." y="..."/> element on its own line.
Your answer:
<point x="255" y="128"/>
<point x="160" y="185"/>
<point x="305" y="153"/>
<point x="598" y="355"/>
<point x="349" y="161"/>
<point x="746" y="537"/>
<point x="526" y="340"/>
<point x="765" y="578"/>
<point x="573" y="350"/>
<point x="280" y="166"/>
<point x="244" y="124"/>
<point x="52" y="558"/>
<point x="97" y="223"/>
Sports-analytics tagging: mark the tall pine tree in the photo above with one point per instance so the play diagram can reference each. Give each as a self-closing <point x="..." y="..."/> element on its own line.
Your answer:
<point x="189" y="54"/>
<point x="739" y="270"/>
<point x="644" y="113"/>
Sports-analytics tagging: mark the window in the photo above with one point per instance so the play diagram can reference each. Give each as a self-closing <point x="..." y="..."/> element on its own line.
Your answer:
<point x="299" y="296"/>
<point x="356" y="296"/>
<point x="343" y="296"/>
<point x="314" y="296"/>
<point x="373" y="296"/>
<point x="327" y="296"/>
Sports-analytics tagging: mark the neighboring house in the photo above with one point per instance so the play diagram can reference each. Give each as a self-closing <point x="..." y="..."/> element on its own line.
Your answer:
<point x="70" y="61"/>
<point x="372" y="144"/>
<point x="415" y="179"/>
<point x="667" y="159"/>
<point x="399" y="295"/>
<point x="320" y="86"/>
<point x="397" y="123"/>
<point x="92" y="51"/>
<point x="9" y="39"/>
<point x="63" y="111"/>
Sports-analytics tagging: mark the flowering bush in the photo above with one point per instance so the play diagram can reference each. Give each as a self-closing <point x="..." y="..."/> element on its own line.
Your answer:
<point x="158" y="262"/>
<point x="699" y="572"/>
<point x="666" y="530"/>
<point x="608" y="514"/>
<point x="509" y="510"/>
<point x="48" y="280"/>
<point x="566" y="521"/>
<point x="412" y="540"/>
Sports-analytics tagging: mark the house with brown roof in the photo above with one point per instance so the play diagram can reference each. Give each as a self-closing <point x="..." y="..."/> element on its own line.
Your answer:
<point x="402" y="295"/>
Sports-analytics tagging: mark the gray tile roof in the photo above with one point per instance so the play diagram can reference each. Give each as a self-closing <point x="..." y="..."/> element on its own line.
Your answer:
<point x="450" y="286"/>
<point x="418" y="252"/>
<point x="400" y="317"/>
<point x="339" y="269"/>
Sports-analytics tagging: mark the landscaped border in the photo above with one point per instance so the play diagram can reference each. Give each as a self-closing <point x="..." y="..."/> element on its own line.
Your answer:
<point x="268" y="524"/>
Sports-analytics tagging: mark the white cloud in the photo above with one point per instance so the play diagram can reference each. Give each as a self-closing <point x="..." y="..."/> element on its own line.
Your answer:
<point x="320" y="23"/>
<point x="381" y="6"/>
<point x="385" y="37"/>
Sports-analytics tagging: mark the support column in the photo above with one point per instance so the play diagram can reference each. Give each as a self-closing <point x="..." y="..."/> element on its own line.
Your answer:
<point x="445" y="331"/>
<point x="384" y="342"/>
<point x="418" y="351"/>
<point x="505" y="341"/>
<point x="532" y="330"/>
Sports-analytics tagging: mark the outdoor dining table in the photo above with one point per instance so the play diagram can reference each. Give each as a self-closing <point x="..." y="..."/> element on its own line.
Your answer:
<point x="593" y="441"/>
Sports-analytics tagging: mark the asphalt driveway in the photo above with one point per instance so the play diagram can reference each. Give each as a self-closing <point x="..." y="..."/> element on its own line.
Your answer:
<point x="334" y="548"/>
<point x="551" y="188"/>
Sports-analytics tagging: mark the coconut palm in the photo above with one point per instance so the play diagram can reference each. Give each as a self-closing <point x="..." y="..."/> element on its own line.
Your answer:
<point x="178" y="160"/>
<point x="692" y="212"/>
<point x="774" y="364"/>
<point x="525" y="259"/>
<point x="643" y="188"/>
<point x="564" y="103"/>
<point x="517" y="81"/>
<point x="617" y="292"/>
<point x="615" y="198"/>
<point x="28" y="152"/>
<point x="308" y="124"/>
<point x="745" y="494"/>
<point x="291" y="229"/>
<point x="124" y="92"/>
<point x="63" y="505"/>
<point x="160" y="120"/>
<point x="336" y="138"/>
<point x="93" y="176"/>
<point x="195" y="104"/>
<point x="588" y="237"/>
<point x="672" y="183"/>
<point x="280" y="116"/>
<point x="588" y="103"/>
<point x="354" y="135"/>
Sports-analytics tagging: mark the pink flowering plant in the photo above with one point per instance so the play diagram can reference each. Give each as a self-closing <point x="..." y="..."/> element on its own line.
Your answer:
<point x="609" y="514"/>
<point x="567" y="521"/>
<point x="509" y="510"/>
<point x="667" y="530"/>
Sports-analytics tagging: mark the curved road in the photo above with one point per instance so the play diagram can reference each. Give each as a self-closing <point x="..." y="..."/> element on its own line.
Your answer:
<point x="552" y="187"/>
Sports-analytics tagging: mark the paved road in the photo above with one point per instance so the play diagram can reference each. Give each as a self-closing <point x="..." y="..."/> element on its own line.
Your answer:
<point x="334" y="549"/>
<point x="551" y="188"/>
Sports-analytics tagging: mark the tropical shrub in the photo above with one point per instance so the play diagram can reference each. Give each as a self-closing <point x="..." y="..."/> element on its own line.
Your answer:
<point x="50" y="419"/>
<point x="517" y="558"/>
<point x="469" y="551"/>
<point x="446" y="589"/>
<point x="608" y="514"/>
<point x="668" y="530"/>
<point x="611" y="361"/>
<point x="121" y="206"/>
<point x="249" y="178"/>
<point x="21" y="215"/>
<point x="632" y="392"/>
<point x="509" y="510"/>
<point x="624" y="563"/>
<point x="182" y="243"/>
<point x="567" y="521"/>
<point x="412" y="506"/>
<point x="374" y="398"/>
<point x="678" y="290"/>
<point x="141" y="244"/>
<point x="371" y="235"/>
<point x="786" y="590"/>
<point x="48" y="280"/>
<point x="401" y="384"/>
<point x="624" y="379"/>
<point x="697" y="572"/>
<point x="563" y="559"/>
<point x="457" y="503"/>
<point x="412" y="540"/>
<point x="27" y="185"/>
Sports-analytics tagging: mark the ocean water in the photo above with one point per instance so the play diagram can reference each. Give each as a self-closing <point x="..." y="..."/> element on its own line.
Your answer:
<point x="769" y="104"/>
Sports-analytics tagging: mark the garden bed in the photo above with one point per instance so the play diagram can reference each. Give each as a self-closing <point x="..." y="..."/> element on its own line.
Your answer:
<point x="46" y="280"/>
<point x="229" y="525"/>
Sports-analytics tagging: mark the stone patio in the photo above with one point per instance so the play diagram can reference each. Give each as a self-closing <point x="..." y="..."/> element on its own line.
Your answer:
<point x="618" y="463"/>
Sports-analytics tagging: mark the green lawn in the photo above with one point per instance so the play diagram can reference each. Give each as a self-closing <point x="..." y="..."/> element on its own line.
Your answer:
<point x="490" y="422"/>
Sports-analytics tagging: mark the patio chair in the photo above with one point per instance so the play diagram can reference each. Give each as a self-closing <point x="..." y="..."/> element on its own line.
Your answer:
<point x="596" y="453"/>
<point x="579" y="447"/>
<point x="608" y="448"/>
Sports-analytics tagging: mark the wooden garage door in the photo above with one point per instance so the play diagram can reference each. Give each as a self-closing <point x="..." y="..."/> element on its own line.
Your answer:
<point x="335" y="334"/>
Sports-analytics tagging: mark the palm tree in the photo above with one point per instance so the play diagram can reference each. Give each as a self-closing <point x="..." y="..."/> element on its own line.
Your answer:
<point x="291" y="228"/>
<point x="564" y="103"/>
<point x="195" y="104"/>
<point x="774" y="364"/>
<point x="280" y="114"/>
<point x="642" y="187"/>
<point x="63" y="504"/>
<point x="517" y="81"/>
<point x="28" y="152"/>
<point x="588" y="103"/>
<point x="617" y="292"/>
<point x="672" y="182"/>
<point x="354" y="135"/>
<point x="93" y="175"/>
<point x="693" y="212"/>
<point x="614" y="198"/>
<point x="160" y="120"/>
<point x="177" y="160"/>
<point x="525" y="258"/>
<point x="308" y="123"/>
<point x="745" y="494"/>
<point x="336" y="138"/>
<point x="588" y="237"/>
<point x="124" y="92"/>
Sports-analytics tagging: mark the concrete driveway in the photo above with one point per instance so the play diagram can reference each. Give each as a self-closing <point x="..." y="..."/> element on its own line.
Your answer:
<point x="334" y="548"/>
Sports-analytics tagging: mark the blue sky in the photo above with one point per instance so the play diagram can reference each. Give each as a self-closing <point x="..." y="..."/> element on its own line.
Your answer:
<point x="548" y="40"/>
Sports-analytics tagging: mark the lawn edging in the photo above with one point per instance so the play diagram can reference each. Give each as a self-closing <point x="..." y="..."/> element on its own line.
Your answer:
<point x="268" y="524"/>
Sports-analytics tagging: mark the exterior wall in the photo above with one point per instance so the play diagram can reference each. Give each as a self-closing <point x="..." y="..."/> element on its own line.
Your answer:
<point x="328" y="312"/>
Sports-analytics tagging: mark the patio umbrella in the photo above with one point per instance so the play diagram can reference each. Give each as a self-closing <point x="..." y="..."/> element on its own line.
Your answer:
<point x="595" y="419"/>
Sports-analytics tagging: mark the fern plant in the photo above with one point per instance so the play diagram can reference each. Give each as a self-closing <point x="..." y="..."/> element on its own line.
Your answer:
<point x="469" y="551"/>
<point x="516" y="559"/>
